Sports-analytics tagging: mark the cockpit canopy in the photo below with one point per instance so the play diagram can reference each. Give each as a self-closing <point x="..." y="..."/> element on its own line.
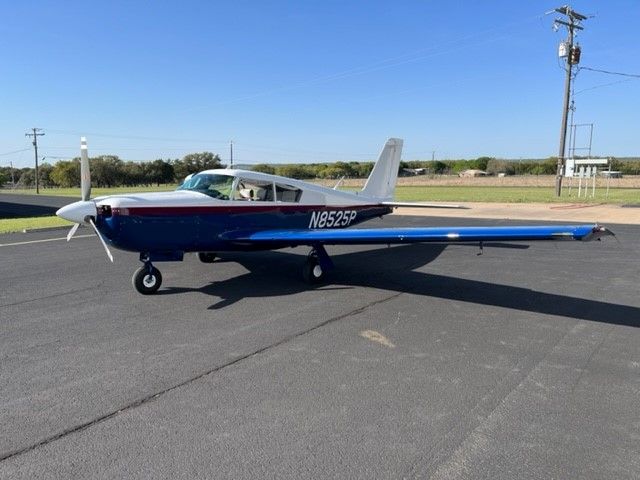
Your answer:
<point x="214" y="185"/>
<point x="229" y="187"/>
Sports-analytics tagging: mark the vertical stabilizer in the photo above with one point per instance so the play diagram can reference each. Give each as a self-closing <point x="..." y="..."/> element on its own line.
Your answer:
<point x="382" y="180"/>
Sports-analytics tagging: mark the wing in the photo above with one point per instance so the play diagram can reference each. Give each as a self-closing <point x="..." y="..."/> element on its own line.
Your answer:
<point x="423" y="205"/>
<point x="418" y="235"/>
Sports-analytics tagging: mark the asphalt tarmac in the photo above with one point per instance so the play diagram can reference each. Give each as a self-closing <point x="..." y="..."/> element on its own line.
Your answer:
<point x="14" y="205"/>
<point x="411" y="362"/>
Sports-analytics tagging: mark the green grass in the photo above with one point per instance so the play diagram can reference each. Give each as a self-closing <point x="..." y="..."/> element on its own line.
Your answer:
<point x="511" y="195"/>
<point x="8" y="225"/>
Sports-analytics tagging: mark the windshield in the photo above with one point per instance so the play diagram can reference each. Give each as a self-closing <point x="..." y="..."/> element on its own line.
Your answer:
<point x="216" y="186"/>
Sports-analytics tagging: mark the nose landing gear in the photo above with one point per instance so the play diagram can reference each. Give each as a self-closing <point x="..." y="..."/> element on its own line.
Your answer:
<point x="147" y="279"/>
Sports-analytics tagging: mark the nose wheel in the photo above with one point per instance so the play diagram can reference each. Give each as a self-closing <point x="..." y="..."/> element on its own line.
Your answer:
<point x="147" y="279"/>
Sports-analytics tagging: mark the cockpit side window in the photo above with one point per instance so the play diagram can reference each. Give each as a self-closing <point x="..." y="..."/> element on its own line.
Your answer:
<point x="253" y="190"/>
<point x="216" y="186"/>
<point x="287" y="193"/>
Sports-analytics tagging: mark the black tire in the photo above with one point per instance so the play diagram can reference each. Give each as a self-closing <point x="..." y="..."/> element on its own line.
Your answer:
<point x="206" y="257"/>
<point x="312" y="272"/>
<point x="147" y="282"/>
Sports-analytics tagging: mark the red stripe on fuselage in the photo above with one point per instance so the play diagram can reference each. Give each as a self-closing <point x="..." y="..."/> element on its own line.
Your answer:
<point x="232" y="209"/>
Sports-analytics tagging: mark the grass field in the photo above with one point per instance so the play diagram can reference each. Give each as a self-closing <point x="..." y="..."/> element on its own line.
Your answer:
<point x="8" y="225"/>
<point x="511" y="195"/>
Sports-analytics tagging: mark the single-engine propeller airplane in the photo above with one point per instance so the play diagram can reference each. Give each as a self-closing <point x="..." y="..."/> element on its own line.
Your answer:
<point x="231" y="210"/>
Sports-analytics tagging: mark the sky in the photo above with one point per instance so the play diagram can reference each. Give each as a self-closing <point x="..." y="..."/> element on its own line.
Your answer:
<point x="310" y="81"/>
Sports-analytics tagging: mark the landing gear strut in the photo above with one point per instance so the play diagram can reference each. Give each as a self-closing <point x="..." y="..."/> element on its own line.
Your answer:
<point x="147" y="279"/>
<point x="206" y="257"/>
<point x="317" y="265"/>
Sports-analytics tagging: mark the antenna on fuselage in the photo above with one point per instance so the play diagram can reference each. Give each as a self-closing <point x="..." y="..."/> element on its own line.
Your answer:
<point x="231" y="154"/>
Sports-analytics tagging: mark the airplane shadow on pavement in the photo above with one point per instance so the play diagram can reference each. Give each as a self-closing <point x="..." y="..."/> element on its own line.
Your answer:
<point x="277" y="273"/>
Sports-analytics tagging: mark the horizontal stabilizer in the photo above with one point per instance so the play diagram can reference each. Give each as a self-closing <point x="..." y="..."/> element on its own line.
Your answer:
<point x="423" y="205"/>
<point x="361" y="236"/>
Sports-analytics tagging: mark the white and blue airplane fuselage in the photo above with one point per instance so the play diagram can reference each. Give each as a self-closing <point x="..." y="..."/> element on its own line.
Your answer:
<point x="195" y="220"/>
<point x="230" y="210"/>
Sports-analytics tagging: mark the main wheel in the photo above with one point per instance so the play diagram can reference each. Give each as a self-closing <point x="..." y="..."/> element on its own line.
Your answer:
<point x="147" y="281"/>
<point x="312" y="272"/>
<point x="207" y="257"/>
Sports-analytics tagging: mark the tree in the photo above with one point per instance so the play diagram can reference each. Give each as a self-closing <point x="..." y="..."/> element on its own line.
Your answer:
<point x="134" y="173"/>
<point x="264" y="168"/>
<point x="66" y="173"/>
<point x="44" y="175"/>
<point x="439" y="167"/>
<point x="481" y="163"/>
<point x="106" y="171"/>
<point x="159" y="171"/>
<point x="294" y="171"/>
<point x="27" y="177"/>
<point x="194" y="163"/>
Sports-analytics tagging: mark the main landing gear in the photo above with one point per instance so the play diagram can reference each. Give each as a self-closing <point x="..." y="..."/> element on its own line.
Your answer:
<point x="317" y="265"/>
<point x="206" y="257"/>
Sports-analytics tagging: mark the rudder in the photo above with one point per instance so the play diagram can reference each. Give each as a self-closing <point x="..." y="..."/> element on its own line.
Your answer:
<point x="383" y="177"/>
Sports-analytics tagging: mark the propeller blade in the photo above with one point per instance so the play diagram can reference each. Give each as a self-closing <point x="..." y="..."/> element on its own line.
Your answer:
<point x="72" y="232"/>
<point x="85" y="174"/>
<point x="104" y="244"/>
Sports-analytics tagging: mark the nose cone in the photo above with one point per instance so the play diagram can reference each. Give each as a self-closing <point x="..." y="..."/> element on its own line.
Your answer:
<point x="78" y="211"/>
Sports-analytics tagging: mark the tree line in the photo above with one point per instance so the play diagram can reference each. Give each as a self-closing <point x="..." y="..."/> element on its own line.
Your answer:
<point x="111" y="171"/>
<point x="491" y="165"/>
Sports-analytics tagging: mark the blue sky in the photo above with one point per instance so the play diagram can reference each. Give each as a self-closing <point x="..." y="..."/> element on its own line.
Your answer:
<point x="309" y="81"/>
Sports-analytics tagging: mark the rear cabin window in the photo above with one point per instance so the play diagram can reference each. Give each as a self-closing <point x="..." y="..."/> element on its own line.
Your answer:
<point x="253" y="190"/>
<point x="287" y="193"/>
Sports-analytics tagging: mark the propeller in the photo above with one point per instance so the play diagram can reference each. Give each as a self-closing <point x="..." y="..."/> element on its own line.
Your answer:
<point x="83" y="211"/>
<point x="104" y="244"/>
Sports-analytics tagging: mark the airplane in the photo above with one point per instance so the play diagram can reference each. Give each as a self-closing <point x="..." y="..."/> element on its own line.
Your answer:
<point x="238" y="210"/>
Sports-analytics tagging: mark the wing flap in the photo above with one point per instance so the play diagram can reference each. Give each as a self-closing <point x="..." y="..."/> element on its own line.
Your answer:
<point x="359" y="236"/>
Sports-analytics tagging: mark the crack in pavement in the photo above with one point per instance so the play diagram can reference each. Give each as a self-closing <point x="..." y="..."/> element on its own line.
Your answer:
<point x="48" y="297"/>
<point x="148" y="398"/>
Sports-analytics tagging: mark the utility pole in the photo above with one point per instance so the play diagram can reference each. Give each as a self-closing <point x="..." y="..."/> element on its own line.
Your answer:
<point x="36" y="132"/>
<point x="231" y="153"/>
<point x="572" y="53"/>
<point x="13" y="181"/>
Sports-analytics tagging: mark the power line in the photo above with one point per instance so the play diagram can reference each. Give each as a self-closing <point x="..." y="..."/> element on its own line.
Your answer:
<point x="632" y="75"/>
<point x="15" y="151"/>
<point x="409" y="57"/>
<point x="134" y="137"/>
<point x="602" y="85"/>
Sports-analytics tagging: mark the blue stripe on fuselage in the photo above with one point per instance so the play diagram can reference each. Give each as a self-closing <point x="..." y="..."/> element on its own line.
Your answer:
<point x="156" y="232"/>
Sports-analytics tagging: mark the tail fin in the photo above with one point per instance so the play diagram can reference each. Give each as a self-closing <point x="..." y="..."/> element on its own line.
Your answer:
<point x="382" y="180"/>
